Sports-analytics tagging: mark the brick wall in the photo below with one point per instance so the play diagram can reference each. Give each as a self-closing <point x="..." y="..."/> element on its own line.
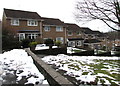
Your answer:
<point x="53" y="33"/>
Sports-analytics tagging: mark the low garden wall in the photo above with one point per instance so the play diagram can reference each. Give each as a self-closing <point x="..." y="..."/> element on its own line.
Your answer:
<point x="84" y="53"/>
<point x="53" y="51"/>
<point x="53" y="77"/>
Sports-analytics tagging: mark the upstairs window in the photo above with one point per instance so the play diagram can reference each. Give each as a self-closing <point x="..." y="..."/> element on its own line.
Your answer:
<point x="70" y="33"/>
<point x="15" y="22"/>
<point x="59" y="29"/>
<point x="78" y="33"/>
<point x="47" y="28"/>
<point x="32" y="23"/>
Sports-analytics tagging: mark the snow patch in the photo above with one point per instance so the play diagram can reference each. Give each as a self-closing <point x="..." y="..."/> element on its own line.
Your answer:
<point x="19" y="61"/>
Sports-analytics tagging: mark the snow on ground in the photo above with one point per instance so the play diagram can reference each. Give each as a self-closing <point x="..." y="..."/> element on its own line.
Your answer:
<point x="88" y="68"/>
<point x="43" y="47"/>
<point x="71" y="50"/>
<point x="17" y="65"/>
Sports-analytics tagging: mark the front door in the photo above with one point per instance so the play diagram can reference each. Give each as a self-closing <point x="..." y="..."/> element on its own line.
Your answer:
<point x="21" y="36"/>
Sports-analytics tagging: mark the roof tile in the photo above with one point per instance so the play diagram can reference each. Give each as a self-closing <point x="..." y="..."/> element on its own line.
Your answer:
<point x="21" y="14"/>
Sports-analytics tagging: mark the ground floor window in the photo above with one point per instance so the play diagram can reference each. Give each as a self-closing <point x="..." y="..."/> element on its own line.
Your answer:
<point x="31" y="36"/>
<point x="71" y="43"/>
<point x="78" y="43"/>
<point x="74" y="43"/>
<point x="61" y="39"/>
<point x="21" y="36"/>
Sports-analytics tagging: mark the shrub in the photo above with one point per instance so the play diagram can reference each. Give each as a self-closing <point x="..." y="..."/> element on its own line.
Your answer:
<point x="8" y="44"/>
<point x="25" y="43"/>
<point x="49" y="42"/>
<point x="104" y="48"/>
<point x="33" y="44"/>
<point x="9" y="41"/>
<point x="58" y="43"/>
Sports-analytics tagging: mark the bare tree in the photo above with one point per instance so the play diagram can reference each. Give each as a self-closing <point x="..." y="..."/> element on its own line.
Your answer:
<point x="106" y="10"/>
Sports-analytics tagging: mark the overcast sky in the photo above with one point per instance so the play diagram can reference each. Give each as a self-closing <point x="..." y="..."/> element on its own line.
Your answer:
<point x="62" y="9"/>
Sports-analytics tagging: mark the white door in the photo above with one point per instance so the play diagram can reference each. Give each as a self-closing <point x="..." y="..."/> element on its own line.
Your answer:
<point x="21" y="36"/>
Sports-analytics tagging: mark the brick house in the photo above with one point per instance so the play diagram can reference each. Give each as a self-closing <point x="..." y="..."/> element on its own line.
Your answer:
<point x="54" y="29"/>
<point x="26" y="24"/>
<point x="74" y="35"/>
<point x="88" y="33"/>
<point x="93" y="39"/>
<point x="23" y="24"/>
<point x="83" y="37"/>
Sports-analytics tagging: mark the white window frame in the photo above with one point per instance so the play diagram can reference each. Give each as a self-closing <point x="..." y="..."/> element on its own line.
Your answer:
<point x="70" y="34"/>
<point x="32" y="22"/>
<point x="78" y="43"/>
<point x="47" y="28"/>
<point x="15" y="22"/>
<point x="71" y="43"/>
<point x="59" y="29"/>
<point x="21" y="36"/>
<point x="61" y="39"/>
<point x="78" y="33"/>
<point x="31" y="35"/>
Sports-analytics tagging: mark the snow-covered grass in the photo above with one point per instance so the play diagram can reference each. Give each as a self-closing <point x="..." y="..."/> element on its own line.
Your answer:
<point x="88" y="69"/>
<point x="43" y="47"/>
<point x="18" y="65"/>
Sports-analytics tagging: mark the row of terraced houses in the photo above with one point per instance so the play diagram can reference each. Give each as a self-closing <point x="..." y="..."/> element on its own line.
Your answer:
<point x="26" y="24"/>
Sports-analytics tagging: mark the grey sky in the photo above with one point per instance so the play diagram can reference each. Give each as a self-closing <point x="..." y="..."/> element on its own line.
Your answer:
<point x="62" y="9"/>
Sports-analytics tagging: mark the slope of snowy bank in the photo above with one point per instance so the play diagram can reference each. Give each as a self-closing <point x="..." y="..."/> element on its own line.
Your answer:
<point x="16" y="67"/>
<point x="88" y="69"/>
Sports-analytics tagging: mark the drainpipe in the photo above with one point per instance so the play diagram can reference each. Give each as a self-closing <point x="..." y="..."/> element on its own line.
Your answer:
<point x="41" y="33"/>
<point x="65" y="36"/>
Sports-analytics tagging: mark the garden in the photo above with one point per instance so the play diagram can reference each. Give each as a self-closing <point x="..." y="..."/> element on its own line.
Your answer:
<point x="87" y="70"/>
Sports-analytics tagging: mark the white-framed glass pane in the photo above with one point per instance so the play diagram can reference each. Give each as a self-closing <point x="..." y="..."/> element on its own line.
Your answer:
<point x="32" y="35"/>
<point x="15" y="22"/>
<point x="59" y="29"/>
<point x="32" y="23"/>
<point x="71" y="43"/>
<point x="78" y="33"/>
<point x="21" y="36"/>
<point x="47" y="28"/>
<point x="78" y="43"/>
<point x="61" y="39"/>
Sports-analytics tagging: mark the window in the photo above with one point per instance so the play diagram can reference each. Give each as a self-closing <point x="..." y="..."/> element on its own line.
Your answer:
<point x="60" y="39"/>
<point x="21" y="36"/>
<point x="15" y="22"/>
<point x="45" y="39"/>
<point x="70" y="33"/>
<point x="32" y="23"/>
<point x="71" y="43"/>
<point x="59" y="29"/>
<point x="47" y="28"/>
<point x="78" y="33"/>
<point x="78" y="43"/>
<point x="32" y="35"/>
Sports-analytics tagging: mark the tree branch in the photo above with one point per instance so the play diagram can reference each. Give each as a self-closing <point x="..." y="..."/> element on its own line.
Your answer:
<point x="105" y="10"/>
